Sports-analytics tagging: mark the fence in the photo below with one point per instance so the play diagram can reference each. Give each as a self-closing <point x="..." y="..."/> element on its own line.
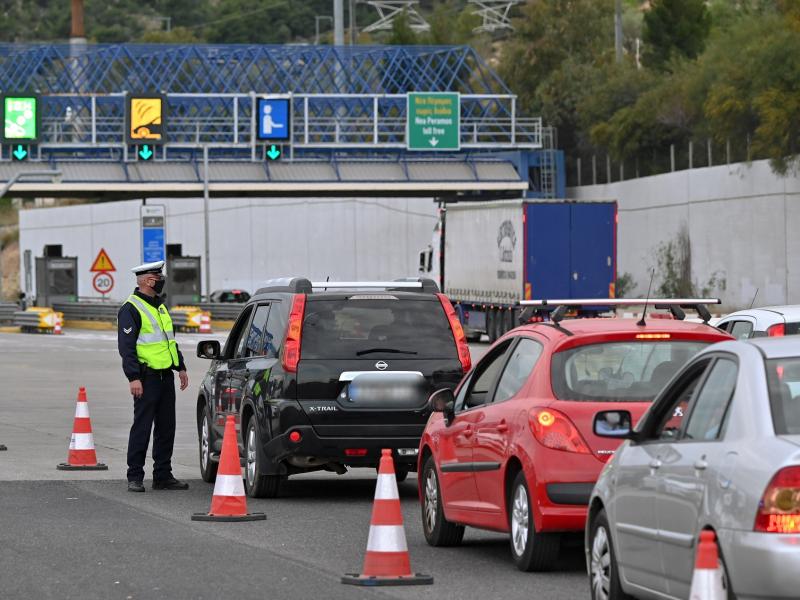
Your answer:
<point x="107" y="311"/>
<point x="7" y="312"/>
<point x="593" y="169"/>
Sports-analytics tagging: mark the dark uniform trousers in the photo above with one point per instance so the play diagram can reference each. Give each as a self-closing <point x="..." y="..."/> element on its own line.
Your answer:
<point x="155" y="410"/>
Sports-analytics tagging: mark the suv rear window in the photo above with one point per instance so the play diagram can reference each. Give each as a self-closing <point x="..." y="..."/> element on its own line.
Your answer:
<point x="376" y="328"/>
<point x="783" y="379"/>
<point x="631" y="371"/>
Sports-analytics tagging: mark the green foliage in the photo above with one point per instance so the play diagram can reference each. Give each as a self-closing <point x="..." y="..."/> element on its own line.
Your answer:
<point x="624" y="285"/>
<point x="673" y="271"/>
<point x="402" y="34"/>
<point x="675" y="28"/>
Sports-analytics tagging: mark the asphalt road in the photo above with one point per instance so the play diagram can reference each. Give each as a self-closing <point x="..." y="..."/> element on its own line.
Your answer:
<point x="81" y="535"/>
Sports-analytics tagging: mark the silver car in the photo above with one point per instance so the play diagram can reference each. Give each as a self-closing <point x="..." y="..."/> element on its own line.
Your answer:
<point x="771" y="321"/>
<point x="718" y="449"/>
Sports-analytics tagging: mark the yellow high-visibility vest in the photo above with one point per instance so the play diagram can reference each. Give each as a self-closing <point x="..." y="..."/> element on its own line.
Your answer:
<point x="156" y="346"/>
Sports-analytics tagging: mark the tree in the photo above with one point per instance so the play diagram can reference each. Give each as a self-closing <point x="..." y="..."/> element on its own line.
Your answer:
<point x="402" y="34"/>
<point x="675" y="28"/>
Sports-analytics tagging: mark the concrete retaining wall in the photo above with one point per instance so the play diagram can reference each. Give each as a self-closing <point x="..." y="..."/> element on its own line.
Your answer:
<point x="743" y="223"/>
<point x="251" y="239"/>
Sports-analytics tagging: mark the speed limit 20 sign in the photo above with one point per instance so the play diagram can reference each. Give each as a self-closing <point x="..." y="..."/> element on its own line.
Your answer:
<point x="103" y="283"/>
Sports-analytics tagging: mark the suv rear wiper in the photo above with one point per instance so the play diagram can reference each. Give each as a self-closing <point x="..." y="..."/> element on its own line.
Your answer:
<point x="388" y="350"/>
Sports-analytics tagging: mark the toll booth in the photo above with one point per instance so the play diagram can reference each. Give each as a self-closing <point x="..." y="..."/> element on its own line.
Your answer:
<point x="183" y="280"/>
<point x="56" y="277"/>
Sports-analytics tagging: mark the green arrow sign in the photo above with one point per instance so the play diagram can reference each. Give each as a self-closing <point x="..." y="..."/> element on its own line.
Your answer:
<point x="145" y="153"/>
<point x="433" y="121"/>
<point x="20" y="153"/>
<point x="274" y="152"/>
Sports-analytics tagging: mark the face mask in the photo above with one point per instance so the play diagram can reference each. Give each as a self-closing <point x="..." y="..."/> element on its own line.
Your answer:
<point x="158" y="286"/>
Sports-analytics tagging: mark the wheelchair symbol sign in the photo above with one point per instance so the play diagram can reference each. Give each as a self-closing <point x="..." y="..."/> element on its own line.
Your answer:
<point x="274" y="119"/>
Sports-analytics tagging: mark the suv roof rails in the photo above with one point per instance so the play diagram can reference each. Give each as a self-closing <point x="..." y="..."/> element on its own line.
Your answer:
<point x="293" y="285"/>
<point x="672" y="304"/>
<point x="301" y="285"/>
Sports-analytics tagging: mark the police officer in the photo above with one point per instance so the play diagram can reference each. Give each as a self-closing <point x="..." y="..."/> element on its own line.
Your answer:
<point x="150" y="354"/>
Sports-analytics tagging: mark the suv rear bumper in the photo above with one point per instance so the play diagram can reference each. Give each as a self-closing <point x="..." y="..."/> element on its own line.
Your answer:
<point x="333" y="449"/>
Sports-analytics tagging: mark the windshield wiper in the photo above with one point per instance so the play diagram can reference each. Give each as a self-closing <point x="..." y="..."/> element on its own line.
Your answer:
<point x="387" y="350"/>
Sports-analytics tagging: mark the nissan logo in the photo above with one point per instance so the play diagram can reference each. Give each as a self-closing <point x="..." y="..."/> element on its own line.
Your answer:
<point x="381" y="365"/>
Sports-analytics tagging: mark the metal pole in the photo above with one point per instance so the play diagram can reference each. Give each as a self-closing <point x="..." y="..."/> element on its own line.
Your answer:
<point x="352" y="15"/>
<point x="691" y="154"/>
<point x="672" y="158"/>
<point x="708" y="145"/>
<point x="608" y="168"/>
<point x="579" y="171"/>
<point x="618" y="29"/>
<point x="205" y="221"/>
<point x="338" y="22"/>
<point x="594" y="169"/>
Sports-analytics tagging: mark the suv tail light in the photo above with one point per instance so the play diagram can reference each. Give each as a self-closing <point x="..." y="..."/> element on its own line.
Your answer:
<point x="777" y="330"/>
<point x="779" y="509"/>
<point x="554" y="430"/>
<point x="291" y="346"/>
<point x="458" y="333"/>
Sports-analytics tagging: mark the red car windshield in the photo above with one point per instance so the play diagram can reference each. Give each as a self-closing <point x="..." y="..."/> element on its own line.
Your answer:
<point x="626" y="371"/>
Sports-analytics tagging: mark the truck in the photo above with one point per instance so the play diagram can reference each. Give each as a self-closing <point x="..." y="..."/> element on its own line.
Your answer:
<point x="487" y="256"/>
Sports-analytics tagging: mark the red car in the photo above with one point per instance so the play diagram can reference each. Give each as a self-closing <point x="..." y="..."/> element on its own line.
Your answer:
<point x="513" y="448"/>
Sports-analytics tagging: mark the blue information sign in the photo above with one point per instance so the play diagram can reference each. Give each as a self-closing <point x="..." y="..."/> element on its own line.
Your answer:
<point x="153" y="239"/>
<point x="274" y="119"/>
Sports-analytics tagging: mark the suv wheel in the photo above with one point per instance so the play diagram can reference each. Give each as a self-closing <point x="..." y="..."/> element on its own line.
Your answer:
<point x="257" y="485"/>
<point x="531" y="550"/>
<point x="438" y="530"/>
<point x="400" y="474"/>
<point x="208" y="468"/>
<point x="603" y="570"/>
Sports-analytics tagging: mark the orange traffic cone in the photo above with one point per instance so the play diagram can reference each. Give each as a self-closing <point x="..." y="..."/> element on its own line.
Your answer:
<point x="57" y="326"/>
<point x="707" y="581"/>
<point x="229" y="502"/>
<point x="386" y="561"/>
<point x="82" y="456"/>
<point x="205" y="323"/>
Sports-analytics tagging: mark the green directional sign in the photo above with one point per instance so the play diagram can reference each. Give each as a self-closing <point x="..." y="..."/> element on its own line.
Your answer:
<point x="273" y="152"/>
<point x="433" y="121"/>
<point x="21" y="118"/>
<point x="145" y="152"/>
<point x="19" y="152"/>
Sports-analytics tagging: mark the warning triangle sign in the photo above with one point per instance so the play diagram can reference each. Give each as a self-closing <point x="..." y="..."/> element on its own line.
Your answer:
<point x="102" y="262"/>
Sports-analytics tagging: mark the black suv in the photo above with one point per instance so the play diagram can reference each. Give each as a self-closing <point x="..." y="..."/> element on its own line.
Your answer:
<point x="324" y="375"/>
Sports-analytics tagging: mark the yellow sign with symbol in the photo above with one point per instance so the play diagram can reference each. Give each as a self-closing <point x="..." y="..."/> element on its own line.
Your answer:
<point x="102" y="263"/>
<point x="146" y="118"/>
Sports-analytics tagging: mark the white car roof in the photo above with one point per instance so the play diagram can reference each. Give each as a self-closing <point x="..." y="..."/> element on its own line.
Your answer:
<point x="790" y="312"/>
<point x="777" y="347"/>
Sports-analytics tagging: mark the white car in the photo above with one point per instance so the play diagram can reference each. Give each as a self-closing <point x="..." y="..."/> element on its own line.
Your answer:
<point x="771" y="321"/>
<point x="718" y="449"/>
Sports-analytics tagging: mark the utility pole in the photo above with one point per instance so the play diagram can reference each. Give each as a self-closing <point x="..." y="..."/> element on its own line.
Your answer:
<point x="338" y="22"/>
<point x="618" y="29"/>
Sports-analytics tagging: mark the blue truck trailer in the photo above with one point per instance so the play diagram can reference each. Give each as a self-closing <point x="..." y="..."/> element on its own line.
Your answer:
<point x="487" y="256"/>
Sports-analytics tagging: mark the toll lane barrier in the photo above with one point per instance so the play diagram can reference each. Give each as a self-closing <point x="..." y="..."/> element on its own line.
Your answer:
<point x="188" y="318"/>
<point x="222" y="314"/>
<point x="7" y="311"/>
<point x="38" y="319"/>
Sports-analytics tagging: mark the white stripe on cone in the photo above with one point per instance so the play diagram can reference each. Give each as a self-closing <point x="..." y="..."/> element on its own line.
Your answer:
<point x="386" y="489"/>
<point x="707" y="585"/>
<point x="229" y="485"/>
<point x="81" y="441"/>
<point x="386" y="538"/>
<point x="82" y="410"/>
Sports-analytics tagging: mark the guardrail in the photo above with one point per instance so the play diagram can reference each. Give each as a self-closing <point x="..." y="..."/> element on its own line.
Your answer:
<point x="7" y="312"/>
<point x="107" y="311"/>
<point x="221" y="311"/>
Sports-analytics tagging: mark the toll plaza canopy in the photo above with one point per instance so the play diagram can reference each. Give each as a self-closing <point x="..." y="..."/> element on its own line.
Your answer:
<point x="134" y="119"/>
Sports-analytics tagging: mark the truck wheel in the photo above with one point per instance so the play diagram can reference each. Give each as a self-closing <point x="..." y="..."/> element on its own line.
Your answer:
<point x="208" y="468"/>
<point x="491" y="328"/>
<point x="255" y="484"/>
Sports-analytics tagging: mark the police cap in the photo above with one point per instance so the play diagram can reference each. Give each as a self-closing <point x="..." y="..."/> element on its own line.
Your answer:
<point x="147" y="268"/>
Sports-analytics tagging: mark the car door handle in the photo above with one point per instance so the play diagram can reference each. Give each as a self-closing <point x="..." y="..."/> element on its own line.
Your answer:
<point x="700" y="465"/>
<point x="502" y="426"/>
<point x="655" y="464"/>
<point x="468" y="431"/>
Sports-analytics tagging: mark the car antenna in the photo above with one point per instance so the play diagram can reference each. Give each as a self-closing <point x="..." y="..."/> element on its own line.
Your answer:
<point x="641" y="322"/>
<point x="327" y="279"/>
<point x="754" y="298"/>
